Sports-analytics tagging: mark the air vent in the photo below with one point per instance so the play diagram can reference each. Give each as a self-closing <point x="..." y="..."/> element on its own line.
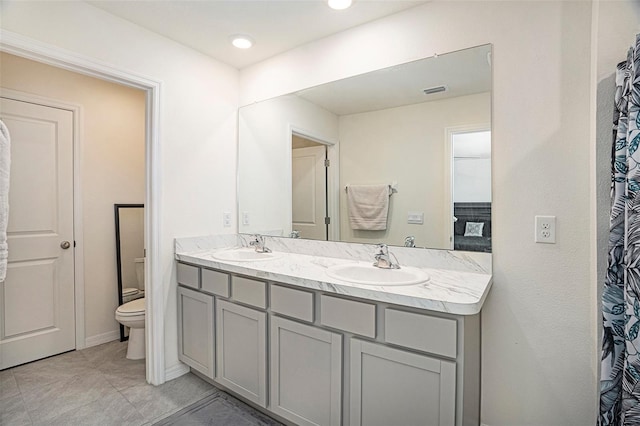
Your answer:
<point x="432" y="90"/>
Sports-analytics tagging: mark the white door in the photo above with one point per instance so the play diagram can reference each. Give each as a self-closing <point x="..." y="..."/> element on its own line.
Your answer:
<point x="37" y="315"/>
<point x="309" y="192"/>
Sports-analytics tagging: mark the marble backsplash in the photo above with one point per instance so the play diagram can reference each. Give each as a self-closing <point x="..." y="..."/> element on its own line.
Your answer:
<point x="463" y="261"/>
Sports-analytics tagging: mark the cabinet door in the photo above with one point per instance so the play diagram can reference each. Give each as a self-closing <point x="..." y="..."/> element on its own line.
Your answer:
<point x="306" y="373"/>
<point x="195" y="330"/>
<point x="395" y="387"/>
<point x="241" y="350"/>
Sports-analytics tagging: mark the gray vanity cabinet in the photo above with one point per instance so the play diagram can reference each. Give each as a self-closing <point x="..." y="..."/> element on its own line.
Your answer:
<point x="317" y="358"/>
<point x="195" y="330"/>
<point x="241" y="350"/>
<point x="390" y="386"/>
<point x="306" y="373"/>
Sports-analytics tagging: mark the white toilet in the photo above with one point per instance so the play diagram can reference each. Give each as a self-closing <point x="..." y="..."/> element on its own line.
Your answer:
<point x="132" y="314"/>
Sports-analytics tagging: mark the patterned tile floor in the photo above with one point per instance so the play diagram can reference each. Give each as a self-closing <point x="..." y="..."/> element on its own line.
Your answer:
<point x="95" y="386"/>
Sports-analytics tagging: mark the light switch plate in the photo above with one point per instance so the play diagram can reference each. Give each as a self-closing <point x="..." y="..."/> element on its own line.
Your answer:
<point x="415" y="218"/>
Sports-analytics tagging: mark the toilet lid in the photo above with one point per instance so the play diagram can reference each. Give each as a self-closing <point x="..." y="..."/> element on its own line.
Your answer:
<point x="129" y="291"/>
<point x="134" y="307"/>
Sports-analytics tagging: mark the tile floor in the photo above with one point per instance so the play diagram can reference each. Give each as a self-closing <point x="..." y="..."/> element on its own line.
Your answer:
<point x="95" y="386"/>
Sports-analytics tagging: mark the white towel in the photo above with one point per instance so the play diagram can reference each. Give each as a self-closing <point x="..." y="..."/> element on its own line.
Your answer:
<point x="368" y="206"/>
<point x="5" y="166"/>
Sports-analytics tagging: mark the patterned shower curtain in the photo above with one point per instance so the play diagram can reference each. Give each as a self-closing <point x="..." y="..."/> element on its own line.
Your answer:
<point x="620" y="375"/>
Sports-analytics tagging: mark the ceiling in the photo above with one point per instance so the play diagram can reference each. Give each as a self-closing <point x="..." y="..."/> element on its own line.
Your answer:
<point x="464" y="72"/>
<point x="275" y="25"/>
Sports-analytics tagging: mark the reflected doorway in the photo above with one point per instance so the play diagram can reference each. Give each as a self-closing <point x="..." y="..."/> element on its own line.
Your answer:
<point x="309" y="213"/>
<point x="471" y="189"/>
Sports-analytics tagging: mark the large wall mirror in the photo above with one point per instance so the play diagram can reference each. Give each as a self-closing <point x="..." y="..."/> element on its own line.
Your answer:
<point x="310" y="162"/>
<point x="129" y="226"/>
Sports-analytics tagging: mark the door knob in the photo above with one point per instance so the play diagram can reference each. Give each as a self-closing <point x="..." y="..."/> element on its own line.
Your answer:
<point x="65" y="244"/>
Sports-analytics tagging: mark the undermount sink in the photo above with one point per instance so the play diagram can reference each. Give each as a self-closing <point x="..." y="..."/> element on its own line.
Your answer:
<point x="367" y="274"/>
<point x="243" y="255"/>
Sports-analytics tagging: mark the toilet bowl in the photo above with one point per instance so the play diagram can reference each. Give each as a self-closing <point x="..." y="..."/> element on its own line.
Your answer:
<point x="132" y="315"/>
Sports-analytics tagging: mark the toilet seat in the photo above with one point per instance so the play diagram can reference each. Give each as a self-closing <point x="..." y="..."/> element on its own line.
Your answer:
<point x="131" y="309"/>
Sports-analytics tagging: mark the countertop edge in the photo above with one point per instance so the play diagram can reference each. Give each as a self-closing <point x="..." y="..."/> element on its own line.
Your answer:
<point x="336" y="287"/>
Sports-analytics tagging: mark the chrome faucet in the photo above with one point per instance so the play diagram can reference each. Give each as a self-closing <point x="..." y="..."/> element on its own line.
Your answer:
<point x="410" y="241"/>
<point x="294" y="234"/>
<point x="259" y="244"/>
<point x="383" y="258"/>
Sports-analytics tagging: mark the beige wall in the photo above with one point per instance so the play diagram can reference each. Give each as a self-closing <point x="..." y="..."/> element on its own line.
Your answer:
<point x="111" y="166"/>
<point x="196" y="146"/>
<point x="406" y="145"/>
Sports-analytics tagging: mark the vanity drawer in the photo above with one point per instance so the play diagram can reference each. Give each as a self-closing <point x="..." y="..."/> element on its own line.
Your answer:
<point x="292" y="303"/>
<point x="188" y="275"/>
<point x="348" y="315"/>
<point x="215" y="282"/>
<point x="251" y="292"/>
<point x="421" y="332"/>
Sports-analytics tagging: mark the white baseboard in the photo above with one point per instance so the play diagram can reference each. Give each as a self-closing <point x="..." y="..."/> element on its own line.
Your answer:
<point x="99" y="339"/>
<point x="176" y="371"/>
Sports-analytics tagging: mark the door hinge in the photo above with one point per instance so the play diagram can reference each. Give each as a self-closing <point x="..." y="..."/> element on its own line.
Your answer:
<point x="74" y="243"/>
<point x="327" y="221"/>
<point x="327" y="162"/>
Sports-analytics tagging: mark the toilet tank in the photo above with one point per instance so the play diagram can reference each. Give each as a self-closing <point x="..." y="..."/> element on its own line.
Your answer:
<point x="139" y="261"/>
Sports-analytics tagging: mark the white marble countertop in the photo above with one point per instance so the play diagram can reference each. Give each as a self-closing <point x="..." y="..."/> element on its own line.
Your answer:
<point x="450" y="291"/>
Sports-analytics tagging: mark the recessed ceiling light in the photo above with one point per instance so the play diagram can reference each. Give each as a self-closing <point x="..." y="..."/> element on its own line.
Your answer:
<point x="339" y="4"/>
<point x="241" y="41"/>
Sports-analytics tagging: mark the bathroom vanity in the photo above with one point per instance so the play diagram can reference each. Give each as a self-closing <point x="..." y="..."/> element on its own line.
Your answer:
<point x="285" y="334"/>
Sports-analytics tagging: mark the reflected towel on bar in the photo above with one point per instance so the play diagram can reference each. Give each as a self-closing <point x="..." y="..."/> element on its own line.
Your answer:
<point x="368" y="206"/>
<point x="5" y="163"/>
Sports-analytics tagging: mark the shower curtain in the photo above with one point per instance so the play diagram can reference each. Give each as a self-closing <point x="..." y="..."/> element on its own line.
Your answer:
<point x="620" y="374"/>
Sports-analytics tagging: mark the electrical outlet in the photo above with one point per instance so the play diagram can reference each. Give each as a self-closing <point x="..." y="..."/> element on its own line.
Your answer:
<point x="226" y="219"/>
<point x="545" y="229"/>
<point x="245" y="218"/>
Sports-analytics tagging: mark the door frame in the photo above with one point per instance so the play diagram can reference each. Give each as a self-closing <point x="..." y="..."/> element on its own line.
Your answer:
<point x="333" y="176"/>
<point x="26" y="47"/>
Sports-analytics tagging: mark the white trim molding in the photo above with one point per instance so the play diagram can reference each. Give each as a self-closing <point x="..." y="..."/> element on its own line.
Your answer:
<point x="99" y="339"/>
<point x="25" y="47"/>
<point x="176" y="371"/>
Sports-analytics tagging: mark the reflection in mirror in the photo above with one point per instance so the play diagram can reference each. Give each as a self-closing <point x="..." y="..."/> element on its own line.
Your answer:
<point x="419" y="131"/>
<point x="309" y="189"/>
<point x="471" y="182"/>
<point x="129" y="224"/>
